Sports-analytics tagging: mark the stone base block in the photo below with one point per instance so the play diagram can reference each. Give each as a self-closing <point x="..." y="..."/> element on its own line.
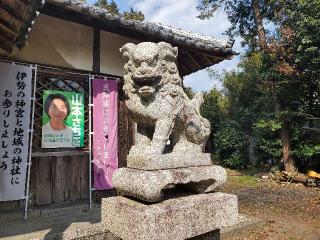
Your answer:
<point x="173" y="219"/>
<point x="167" y="161"/>
<point x="149" y="185"/>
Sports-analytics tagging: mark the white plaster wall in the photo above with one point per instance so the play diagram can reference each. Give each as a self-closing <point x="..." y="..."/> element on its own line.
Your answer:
<point x="57" y="42"/>
<point x="111" y="61"/>
<point x="61" y="43"/>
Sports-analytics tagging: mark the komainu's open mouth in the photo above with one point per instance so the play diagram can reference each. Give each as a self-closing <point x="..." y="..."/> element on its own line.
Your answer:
<point x="146" y="91"/>
<point x="146" y="83"/>
<point x="145" y="80"/>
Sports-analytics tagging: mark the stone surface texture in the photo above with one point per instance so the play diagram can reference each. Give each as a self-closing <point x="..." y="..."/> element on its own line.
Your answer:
<point x="149" y="186"/>
<point x="168" y="161"/>
<point x="172" y="219"/>
<point x="167" y="120"/>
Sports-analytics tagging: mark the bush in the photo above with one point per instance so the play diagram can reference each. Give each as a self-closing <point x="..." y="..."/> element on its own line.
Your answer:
<point x="269" y="145"/>
<point x="231" y="144"/>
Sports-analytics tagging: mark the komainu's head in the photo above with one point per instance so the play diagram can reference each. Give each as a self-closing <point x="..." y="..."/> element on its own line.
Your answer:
<point x="149" y="66"/>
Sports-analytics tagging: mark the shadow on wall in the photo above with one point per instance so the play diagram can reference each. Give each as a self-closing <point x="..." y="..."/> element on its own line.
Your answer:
<point x="41" y="49"/>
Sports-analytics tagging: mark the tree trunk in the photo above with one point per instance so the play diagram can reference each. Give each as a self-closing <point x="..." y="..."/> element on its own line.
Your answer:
<point x="288" y="162"/>
<point x="294" y="177"/>
<point x="262" y="40"/>
<point x="252" y="146"/>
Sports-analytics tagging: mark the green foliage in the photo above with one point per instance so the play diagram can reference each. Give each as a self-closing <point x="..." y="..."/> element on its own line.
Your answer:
<point x="189" y="92"/>
<point x="135" y="15"/>
<point x="241" y="15"/>
<point x="276" y="86"/>
<point x="113" y="8"/>
<point x="303" y="18"/>
<point x="208" y="7"/>
<point x="305" y="146"/>
<point x="268" y="142"/>
<point x="231" y="143"/>
<point x="268" y="125"/>
<point x="308" y="151"/>
<point x="213" y="109"/>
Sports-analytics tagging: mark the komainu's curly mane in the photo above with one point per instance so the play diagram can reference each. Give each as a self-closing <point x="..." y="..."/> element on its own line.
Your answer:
<point x="163" y="66"/>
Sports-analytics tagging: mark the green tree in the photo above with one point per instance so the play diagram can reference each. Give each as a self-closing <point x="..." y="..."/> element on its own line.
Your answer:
<point x="301" y="19"/>
<point x="275" y="90"/>
<point x="231" y="144"/>
<point x="112" y="7"/>
<point x="275" y="94"/>
<point x="246" y="17"/>
<point x="213" y="110"/>
<point x="250" y="101"/>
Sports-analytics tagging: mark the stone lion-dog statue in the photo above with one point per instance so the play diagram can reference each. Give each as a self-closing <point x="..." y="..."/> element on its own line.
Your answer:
<point x="168" y="122"/>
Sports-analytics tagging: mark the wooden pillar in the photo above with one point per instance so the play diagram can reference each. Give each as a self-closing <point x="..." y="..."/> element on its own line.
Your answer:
<point x="96" y="51"/>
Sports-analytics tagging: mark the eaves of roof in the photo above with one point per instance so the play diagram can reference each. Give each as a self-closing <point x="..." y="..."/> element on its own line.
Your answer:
<point x="196" y="51"/>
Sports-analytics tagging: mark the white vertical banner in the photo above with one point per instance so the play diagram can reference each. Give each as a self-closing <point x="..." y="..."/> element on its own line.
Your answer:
<point x="15" y="107"/>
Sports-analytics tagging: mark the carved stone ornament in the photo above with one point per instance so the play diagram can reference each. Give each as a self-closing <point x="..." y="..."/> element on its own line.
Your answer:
<point x="168" y="122"/>
<point x="171" y="133"/>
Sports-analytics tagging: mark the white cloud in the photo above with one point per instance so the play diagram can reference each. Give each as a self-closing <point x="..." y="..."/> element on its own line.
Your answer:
<point x="183" y="14"/>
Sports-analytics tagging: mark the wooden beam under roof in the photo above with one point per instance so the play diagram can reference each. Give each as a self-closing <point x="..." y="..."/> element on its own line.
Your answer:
<point x="193" y="60"/>
<point x="207" y="59"/>
<point x="16" y="8"/>
<point x="183" y="70"/>
<point x="7" y="33"/>
<point x="9" y="20"/>
<point x="5" y="44"/>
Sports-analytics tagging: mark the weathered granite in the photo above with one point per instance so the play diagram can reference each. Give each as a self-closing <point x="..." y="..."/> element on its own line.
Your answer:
<point x="167" y="120"/>
<point x="149" y="185"/>
<point x="172" y="219"/>
<point x="168" y="161"/>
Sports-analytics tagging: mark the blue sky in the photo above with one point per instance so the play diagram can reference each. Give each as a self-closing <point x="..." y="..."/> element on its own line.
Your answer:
<point x="182" y="14"/>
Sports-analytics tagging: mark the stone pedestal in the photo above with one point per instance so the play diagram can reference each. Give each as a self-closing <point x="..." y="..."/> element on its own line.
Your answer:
<point x="149" y="185"/>
<point x="173" y="219"/>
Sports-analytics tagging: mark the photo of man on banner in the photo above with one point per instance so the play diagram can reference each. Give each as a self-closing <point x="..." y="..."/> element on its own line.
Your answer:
<point x="63" y="119"/>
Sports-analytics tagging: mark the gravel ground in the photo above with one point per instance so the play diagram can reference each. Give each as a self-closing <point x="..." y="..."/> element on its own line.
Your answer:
<point x="291" y="211"/>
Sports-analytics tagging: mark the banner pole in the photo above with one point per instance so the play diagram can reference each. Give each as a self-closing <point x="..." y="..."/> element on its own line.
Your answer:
<point x="35" y="68"/>
<point x="90" y="140"/>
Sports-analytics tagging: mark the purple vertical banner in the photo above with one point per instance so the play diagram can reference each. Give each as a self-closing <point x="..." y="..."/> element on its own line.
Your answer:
<point x="105" y="128"/>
